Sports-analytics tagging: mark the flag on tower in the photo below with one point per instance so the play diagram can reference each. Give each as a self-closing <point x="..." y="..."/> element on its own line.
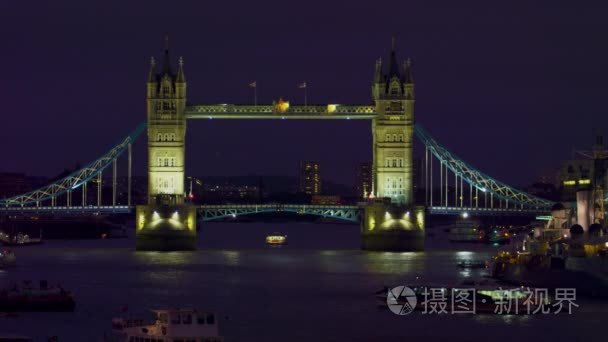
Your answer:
<point x="253" y="84"/>
<point x="302" y="85"/>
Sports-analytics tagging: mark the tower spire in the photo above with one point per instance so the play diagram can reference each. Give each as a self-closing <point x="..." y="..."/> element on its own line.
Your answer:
<point x="152" y="71"/>
<point x="166" y="60"/>
<point x="180" y="71"/>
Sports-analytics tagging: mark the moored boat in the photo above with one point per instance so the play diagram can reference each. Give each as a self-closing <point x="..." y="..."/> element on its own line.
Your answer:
<point x="24" y="297"/>
<point x="7" y="258"/>
<point x="170" y="325"/>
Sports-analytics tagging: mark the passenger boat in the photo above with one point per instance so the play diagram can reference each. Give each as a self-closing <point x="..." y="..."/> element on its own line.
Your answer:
<point x="15" y="338"/>
<point x="276" y="239"/>
<point x="7" y="258"/>
<point x="170" y="325"/>
<point x="465" y="231"/>
<point x="24" y="297"/>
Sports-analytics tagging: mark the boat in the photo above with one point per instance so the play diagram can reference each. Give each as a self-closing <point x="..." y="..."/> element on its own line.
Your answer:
<point x="276" y="239"/>
<point x="465" y="231"/>
<point x="24" y="297"/>
<point x="19" y="240"/>
<point x="7" y="258"/>
<point x="15" y="338"/>
<point x="170" y="325"/>
<point x="472" y="264"/>
<point x="555" y="256"/>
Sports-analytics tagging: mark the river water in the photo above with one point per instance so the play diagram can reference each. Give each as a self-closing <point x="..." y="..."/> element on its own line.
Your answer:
<point x="318" y="288"/>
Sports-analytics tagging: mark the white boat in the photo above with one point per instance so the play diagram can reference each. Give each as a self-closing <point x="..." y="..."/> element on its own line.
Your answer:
<point x="171" y="325"/>
<point x="7" y="258"/>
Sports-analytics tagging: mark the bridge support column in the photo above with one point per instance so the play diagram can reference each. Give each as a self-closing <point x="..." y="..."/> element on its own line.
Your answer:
<point x="391" y="227"/>
<point x="165" y="227"/>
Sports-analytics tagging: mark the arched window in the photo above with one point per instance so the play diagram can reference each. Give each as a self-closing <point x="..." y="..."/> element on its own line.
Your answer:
<point x="166" y="161"/>
<point x="401" y="137"/>
<point x="394" y="162"/>
<point x="388" y="137"/>
<point x="159" y="137"/>
<point x="395" y="137"/>
<point x="400" y="162"/>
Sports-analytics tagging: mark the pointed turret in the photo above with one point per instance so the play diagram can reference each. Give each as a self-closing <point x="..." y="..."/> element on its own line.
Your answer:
<point x="180" y="71"/>
<point x="166" y="60"/>
<point x="393" y="66"/>
<point x="378" y="71"/>
<point x="152" y="71"/>
<point x="407" y="72"/>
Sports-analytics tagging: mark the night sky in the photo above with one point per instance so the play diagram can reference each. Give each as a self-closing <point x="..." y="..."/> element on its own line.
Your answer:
<point x="511" y="87"/>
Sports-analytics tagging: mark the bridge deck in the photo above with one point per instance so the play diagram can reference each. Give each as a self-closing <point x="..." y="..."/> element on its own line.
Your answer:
<point x="328" y="112"/>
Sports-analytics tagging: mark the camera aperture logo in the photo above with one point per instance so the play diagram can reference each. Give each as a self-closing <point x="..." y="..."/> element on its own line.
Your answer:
<point x="401" y="300"/>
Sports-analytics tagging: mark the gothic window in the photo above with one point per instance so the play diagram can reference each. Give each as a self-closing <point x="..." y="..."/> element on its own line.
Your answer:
<point x="388" y="162"/>
<point x="160" y="161"/>
<point x="394" y="162"/>
<point x="173" y="137"/>
<point x="400" y="162"/>
<point x="388" y="137"/>
<point x="395" y="106"/>
<point x="172" y="161"/>
<point x="166" y="161"/>
<point x="159" y="137"/>
<point x="394" y="137"/>
<point x="401" y="137"/>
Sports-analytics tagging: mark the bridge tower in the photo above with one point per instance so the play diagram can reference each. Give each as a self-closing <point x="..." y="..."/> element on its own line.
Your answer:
<point x="166" y="223"/>
<point x="393" y="222"/>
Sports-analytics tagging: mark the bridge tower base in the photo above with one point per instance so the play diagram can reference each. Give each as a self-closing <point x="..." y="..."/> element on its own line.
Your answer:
<point x="391" y="227"/>
<point x="165" y="228"/>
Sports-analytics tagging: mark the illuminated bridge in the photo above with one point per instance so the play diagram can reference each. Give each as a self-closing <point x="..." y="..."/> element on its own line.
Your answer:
<point x="461" y="187"/>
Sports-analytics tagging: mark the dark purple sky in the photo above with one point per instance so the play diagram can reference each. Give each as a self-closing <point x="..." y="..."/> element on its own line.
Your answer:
<point x="511" y="87"/>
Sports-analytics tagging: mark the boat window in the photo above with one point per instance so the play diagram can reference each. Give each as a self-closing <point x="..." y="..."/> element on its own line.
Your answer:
<point x="187" y="319"/>
<point x="210" y="319"/>
<point x="163" y="317"/>
<point x="200" y="319"/>
<point x="176" y="319"/>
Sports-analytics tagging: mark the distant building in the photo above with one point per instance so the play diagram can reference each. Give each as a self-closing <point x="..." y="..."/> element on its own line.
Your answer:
<point x="227" y="193"/>
<point x="325" y="200"/>
<point x="12" y="183"/>
<point x="310" y="177"/>
<point x="364" y="180"/>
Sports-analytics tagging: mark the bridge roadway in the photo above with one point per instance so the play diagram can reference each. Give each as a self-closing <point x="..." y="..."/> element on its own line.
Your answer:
<point x="230" y="111"/>
<point x="215" y="212"/>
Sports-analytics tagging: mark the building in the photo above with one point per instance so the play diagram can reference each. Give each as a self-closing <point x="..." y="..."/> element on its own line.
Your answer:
<point x="364" y="180"/>
<point x="393" y="131"/>
<point x="590" y="172"/>
<point x="310" y="177"/>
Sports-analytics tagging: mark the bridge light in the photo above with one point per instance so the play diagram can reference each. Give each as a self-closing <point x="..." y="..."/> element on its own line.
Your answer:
<point x="465" y="215"/>
<point x="155" y="215"/>
<point x="233" y="215"/>
<point x="406" y="215"/>
<point x="387" y="216"/>
<point x="175" y="215"/>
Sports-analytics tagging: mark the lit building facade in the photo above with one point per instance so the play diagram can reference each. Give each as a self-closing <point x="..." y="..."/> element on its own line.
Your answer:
<point x="364" y="180"/>
<point x="310" y="177"/>
<point x="166" y="100"/>
<point x="393" y="130"/>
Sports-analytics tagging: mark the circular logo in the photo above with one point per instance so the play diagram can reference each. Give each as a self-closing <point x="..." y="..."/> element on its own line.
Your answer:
<point x="401" y="300"/>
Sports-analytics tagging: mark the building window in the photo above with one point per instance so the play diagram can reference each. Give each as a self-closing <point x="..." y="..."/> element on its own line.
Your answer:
<point x="395" y="137"/>
<point x="394" y="162"/>
<point x="388" y="137"/>
<point x="401" y="137"/>
<point x="400" y="162"/>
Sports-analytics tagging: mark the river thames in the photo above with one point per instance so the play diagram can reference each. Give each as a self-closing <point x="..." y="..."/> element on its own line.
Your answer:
<point x="319" y="287"/>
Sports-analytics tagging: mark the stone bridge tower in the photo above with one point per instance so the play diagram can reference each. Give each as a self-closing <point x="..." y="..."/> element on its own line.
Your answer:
<point x="391" y="221"/>
<point x="393" y="131"/>
<point x="166" y="222"/>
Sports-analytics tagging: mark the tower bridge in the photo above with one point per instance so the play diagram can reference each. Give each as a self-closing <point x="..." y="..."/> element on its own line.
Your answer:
<point x="390" y="222"/>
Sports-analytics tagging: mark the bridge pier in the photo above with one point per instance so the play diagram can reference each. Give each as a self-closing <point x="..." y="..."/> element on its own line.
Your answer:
<point x="165" y="227"/>
<point x="392" y="227"/>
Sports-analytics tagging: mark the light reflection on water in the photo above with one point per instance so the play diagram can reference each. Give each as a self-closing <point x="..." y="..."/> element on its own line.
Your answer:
<point x="269" y="294"/>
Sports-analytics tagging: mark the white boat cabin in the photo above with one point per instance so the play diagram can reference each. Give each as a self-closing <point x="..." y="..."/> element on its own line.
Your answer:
<point x="173" y="325"/>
